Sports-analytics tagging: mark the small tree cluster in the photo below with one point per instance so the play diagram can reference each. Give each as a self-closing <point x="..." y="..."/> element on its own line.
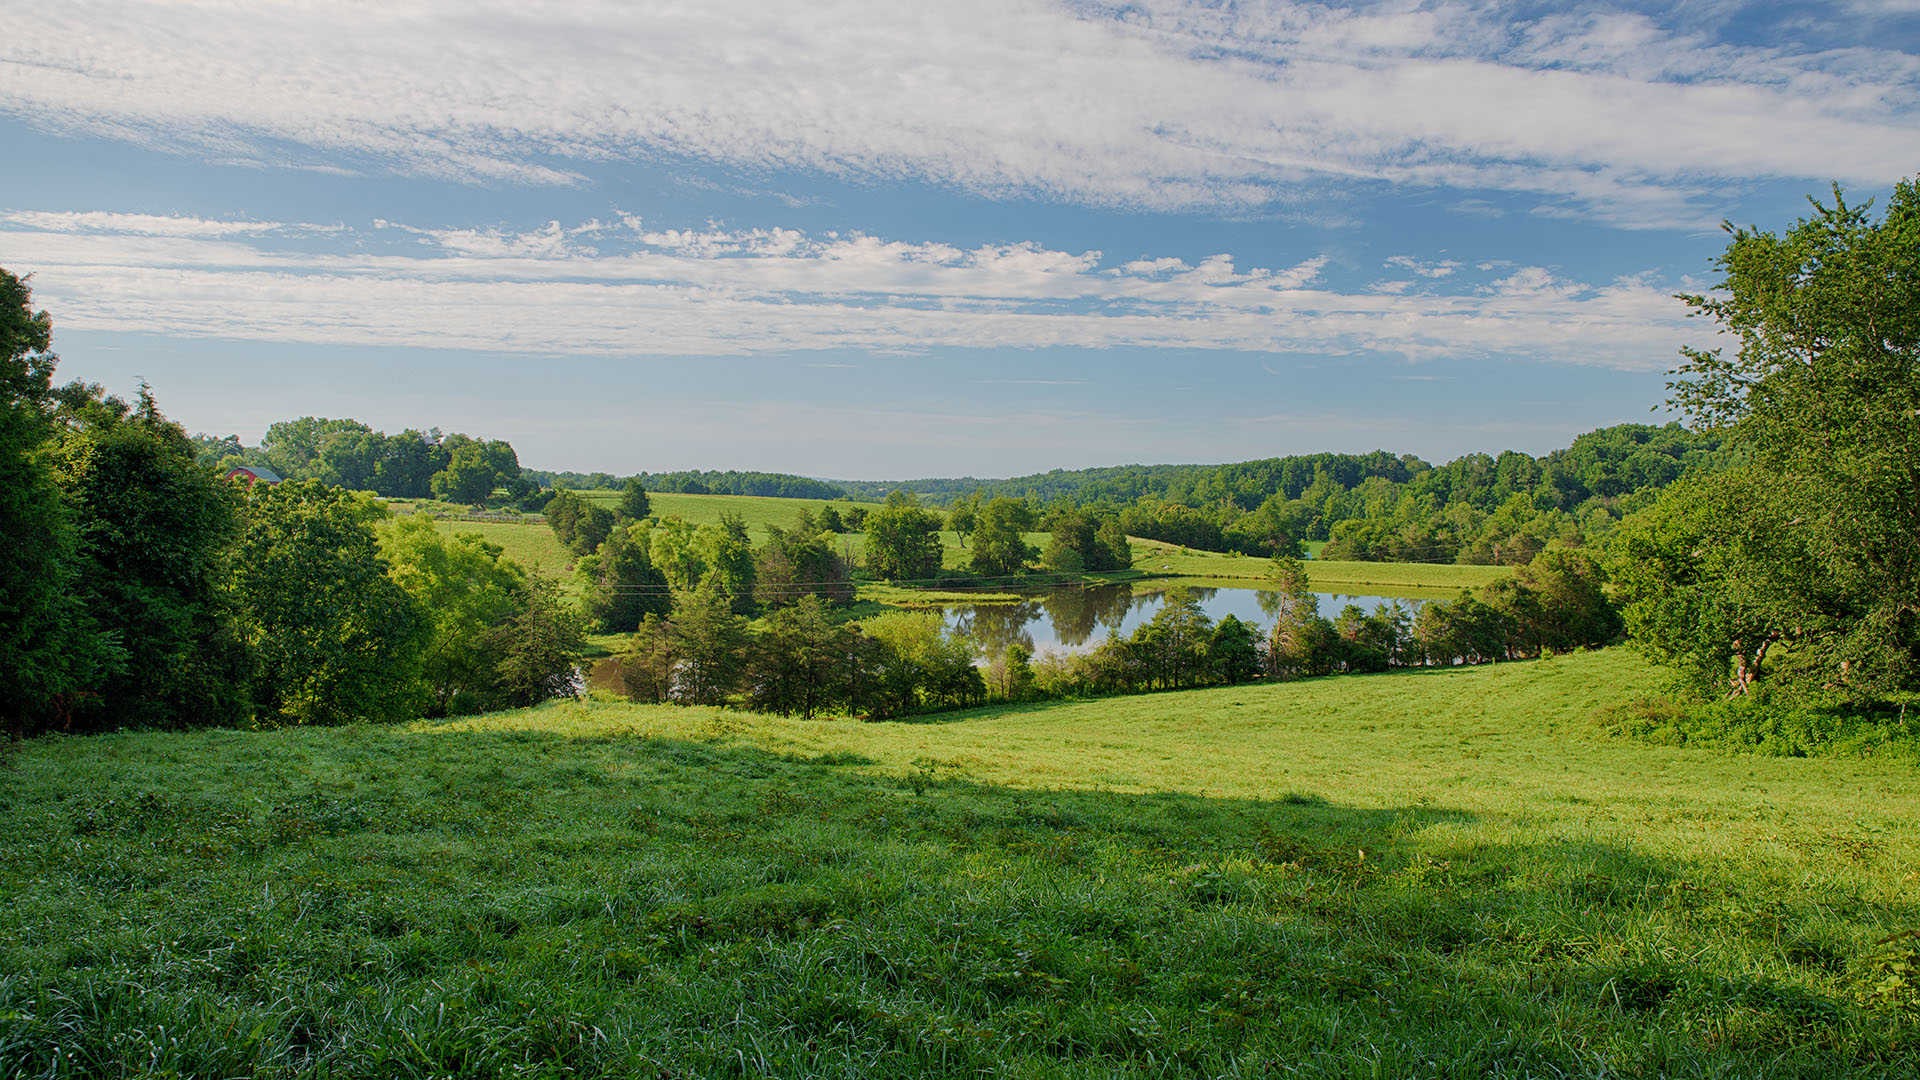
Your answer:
<point x="799" y="662"/>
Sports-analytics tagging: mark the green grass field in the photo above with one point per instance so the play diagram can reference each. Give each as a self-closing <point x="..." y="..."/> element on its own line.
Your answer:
<point x="533" y="544"/>
<point x="1432" y="874"/>
<point x="1372" y="578"/>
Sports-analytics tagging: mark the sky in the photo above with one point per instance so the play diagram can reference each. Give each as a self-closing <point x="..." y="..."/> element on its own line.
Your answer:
<point x="884" y="240"/>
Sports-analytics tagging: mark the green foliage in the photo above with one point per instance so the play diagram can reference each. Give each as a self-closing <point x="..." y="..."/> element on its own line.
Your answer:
<point x="918" y="665"/>
<point x="562" y="513"/>
<point x="50" y="650"/>
<point x="475" y="469"/>
<point x="622" y="586"/>
<point x="727" y="553"/>
<point x="999" y="537"/>
<point x="710" y="645"/>
<point x="1758" y="724"/>
<point x="334" y="639"/>
<point x="1082" y="543"/>
<point x="154" y="531"/>
<point x="1233" y="651"/>
<point x="801" y="664"/>
<point x="1813" y="547"/>
<point x="903" y="540"/>
<point x="633" y="500"/>
<point x="795" y="564"/>
<point x="539" y="646"/>
<point x="464" y="590"/>
<point x="579" y="525"/>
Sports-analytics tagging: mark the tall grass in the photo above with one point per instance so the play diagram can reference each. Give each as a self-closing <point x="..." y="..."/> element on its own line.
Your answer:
<point x="1447" y="873"/>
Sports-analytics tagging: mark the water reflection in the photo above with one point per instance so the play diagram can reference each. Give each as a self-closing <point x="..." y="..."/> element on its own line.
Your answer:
<point x="1078" y="619"/>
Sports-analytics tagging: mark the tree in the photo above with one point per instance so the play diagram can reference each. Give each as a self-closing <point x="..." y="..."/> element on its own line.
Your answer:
<point x="1233" y="652"/>
<point x="622" y="587"/>
<point x="798" y="663"/>
<point x="475" y="469"/>
<point x="711" y="642"/>
<point x="794" y="564"/>
<point x="333" y="637"/>
<point x="293" y="448"/>
<point x="999" y="537"/>
<point x="634" y="505"/>
<point x="648" y="662"/>
<point x="727" y="551"/>
<point x="539" y="646"/>
<point x="464" y="591"/>
<point x="1301" y="642"/>
<point x="1821" y="396"/>
<point x="50" y="649"/>
<point x="964" y="515"/>
<point x="592" y="527"/>
<point x="154" y="528"/>
<point x="919" y="663"/>
<point x="903" y="540"/>
<point x="1174" y="643"/>
<point x="562" y="513"/>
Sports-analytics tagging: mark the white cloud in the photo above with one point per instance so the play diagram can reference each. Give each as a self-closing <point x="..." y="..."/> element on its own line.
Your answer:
<point x="1427" y="269"/>
<point x="597" y="290"/>
<point x="1161" y="104"/>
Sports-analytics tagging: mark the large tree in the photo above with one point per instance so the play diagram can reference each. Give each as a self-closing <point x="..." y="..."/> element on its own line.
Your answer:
<point x="154" y="528"/>
<point x="1815" y="544"/>
<point x="49" y="649"/>
<point x="903" y="540"/>
<point x="999" y="537"/>
<point x="334" y="638"/>
<point x="464" y="589"/>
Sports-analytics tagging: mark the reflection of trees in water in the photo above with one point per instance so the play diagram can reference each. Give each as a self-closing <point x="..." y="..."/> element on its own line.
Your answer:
<point x="1076" y="613"/>
<point x="993" y="627"/>
<point x="1275" y="603"/>
<point x="1080" y="616"/>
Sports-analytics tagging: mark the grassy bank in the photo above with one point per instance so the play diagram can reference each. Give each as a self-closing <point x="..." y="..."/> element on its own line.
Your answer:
<point x="1370" y="578"/>
<point x="1449" y="873"/>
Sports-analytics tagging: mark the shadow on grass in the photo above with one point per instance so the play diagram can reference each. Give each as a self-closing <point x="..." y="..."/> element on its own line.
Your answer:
<point x="479" y="902"/>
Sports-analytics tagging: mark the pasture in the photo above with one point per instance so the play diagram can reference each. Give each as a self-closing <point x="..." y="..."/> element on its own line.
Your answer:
<point x="1439" y="874"/>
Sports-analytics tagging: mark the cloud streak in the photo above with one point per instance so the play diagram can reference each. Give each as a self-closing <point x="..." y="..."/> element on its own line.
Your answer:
<point x="627" y="289"/>
<point x="1157" y="105"/>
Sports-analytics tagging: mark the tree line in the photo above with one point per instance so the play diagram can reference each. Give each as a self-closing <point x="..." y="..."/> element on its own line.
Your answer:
<point x="1478" y="508"/>
<point x="412" y="464"/>
<point x="801" y="661"/>
<point x="143" y="589"/>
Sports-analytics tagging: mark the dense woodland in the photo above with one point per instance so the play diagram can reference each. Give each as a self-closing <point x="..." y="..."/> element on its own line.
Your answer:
<point x="1770" y="551"/>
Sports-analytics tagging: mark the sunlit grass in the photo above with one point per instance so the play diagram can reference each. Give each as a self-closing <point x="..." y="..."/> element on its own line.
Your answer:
<point x="1446" y="873"/>
<point x="1379" y="578"/>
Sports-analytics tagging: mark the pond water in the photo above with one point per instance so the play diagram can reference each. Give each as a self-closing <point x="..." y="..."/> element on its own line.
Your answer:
<point x="1077" y="619"/>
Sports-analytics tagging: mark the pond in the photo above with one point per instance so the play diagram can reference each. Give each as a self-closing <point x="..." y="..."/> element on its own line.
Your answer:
<point x="1078" y="619"/>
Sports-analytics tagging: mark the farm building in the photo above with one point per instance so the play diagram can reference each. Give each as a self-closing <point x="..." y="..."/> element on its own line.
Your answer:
<point x="253" y="474"/>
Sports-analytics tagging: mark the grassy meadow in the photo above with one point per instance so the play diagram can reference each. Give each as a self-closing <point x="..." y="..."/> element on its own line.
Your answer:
<point x="531" y="544"/>
<point x="1435" y="874"/>
<point x="1370" y="578"/>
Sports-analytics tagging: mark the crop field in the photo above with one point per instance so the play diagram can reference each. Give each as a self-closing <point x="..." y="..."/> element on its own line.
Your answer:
<point x="1435" y="874"/>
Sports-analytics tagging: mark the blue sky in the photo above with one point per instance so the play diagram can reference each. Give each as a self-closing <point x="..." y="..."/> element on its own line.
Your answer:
<point x="883" y="240"/>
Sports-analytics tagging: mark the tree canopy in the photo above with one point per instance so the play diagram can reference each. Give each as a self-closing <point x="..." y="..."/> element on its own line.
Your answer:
<point x="1814" y="543"/>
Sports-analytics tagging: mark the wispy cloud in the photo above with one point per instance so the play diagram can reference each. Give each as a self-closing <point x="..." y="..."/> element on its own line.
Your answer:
<point x="1157" y="104"/>
<point x="629" y="289"/>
